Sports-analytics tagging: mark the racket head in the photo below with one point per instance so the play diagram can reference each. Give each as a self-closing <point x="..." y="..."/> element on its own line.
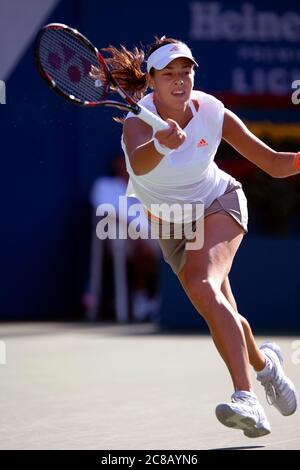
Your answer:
<point x="64" y="57"/>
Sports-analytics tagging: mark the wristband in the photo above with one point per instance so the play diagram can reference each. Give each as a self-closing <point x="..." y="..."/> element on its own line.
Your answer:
<point x="297" y="161"/>
<point x="161" y="148"/>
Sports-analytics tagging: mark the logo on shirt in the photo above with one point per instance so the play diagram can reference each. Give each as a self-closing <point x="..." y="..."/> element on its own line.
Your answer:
<point x="202" y="143"/>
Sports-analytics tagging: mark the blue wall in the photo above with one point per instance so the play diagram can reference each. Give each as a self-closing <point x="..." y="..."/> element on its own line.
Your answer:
<point x="264" y="282"/>
<point x="51" y="153"/>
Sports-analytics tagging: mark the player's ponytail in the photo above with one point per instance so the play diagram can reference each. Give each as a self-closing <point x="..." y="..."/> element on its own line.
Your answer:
<point x="126" y="68"/>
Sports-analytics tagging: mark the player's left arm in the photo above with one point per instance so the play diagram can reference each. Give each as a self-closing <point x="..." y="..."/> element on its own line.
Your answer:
<point x="276" y="164"/>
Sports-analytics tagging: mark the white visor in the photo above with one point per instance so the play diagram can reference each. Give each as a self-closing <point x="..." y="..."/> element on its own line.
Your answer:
<point x="160" y="58"/>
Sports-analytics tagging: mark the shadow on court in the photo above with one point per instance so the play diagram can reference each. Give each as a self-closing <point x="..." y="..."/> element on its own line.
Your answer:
<point x="94" y="386"/>
<point x="239" y="448"/>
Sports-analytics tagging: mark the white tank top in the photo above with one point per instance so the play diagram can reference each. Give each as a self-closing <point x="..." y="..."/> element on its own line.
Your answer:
<point x="189" y="174"/>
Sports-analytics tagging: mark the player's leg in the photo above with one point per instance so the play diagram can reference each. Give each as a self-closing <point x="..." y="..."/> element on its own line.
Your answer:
<point x="202" y="277"/>
<point x="256" y="357"/>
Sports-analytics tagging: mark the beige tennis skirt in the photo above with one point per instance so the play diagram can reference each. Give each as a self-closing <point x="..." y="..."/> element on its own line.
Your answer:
<point x="233" y="202"/>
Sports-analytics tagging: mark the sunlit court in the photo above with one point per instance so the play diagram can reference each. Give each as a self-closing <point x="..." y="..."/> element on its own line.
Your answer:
<point x="150" y="235"/>
<point x="70" y="386"/>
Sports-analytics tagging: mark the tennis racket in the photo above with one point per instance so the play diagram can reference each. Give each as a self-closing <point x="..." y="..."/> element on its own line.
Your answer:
<point x="64" y="58"/>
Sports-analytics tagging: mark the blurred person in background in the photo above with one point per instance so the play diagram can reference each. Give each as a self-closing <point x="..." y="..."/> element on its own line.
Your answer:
<point x="135" y="263"/>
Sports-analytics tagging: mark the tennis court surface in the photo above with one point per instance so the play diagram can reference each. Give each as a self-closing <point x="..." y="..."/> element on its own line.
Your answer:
<point x="83" y="386"/>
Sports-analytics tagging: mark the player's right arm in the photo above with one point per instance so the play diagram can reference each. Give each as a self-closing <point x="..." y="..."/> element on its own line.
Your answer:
<point x="139" y="143"/>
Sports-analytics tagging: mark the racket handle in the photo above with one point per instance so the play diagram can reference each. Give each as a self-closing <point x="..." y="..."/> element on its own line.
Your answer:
<point x="153" y="120"/>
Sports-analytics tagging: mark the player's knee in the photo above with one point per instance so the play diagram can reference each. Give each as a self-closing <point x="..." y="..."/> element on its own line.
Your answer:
<point x="202" y="292"/>
<point x="245" y="323"/>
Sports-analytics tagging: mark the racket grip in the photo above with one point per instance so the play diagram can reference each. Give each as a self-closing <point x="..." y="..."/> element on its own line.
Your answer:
<point x="153" y="120"/>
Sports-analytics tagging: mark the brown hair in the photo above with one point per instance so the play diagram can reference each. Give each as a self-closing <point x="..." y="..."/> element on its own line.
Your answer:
<point x="126" y="66"/>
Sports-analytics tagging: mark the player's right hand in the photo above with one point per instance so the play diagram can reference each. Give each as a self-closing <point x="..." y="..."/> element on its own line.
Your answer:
<point x="172" y="137"/>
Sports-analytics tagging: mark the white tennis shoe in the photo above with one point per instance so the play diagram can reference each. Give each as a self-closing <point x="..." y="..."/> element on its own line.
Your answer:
<point x="280" y="390"/>
<point x="245" y="413"/>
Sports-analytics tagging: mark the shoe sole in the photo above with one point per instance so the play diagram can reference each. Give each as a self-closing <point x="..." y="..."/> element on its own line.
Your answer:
<point x="227" y="416"/>
<point x="276" y="356"/>
<point x="294" y="408"/>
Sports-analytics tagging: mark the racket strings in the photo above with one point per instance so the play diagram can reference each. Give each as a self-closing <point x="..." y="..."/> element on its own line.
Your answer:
<point x="67" y="61"/>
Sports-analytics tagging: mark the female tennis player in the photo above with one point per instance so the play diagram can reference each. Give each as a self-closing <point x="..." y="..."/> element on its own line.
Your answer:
<point x="177" y="165"/>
